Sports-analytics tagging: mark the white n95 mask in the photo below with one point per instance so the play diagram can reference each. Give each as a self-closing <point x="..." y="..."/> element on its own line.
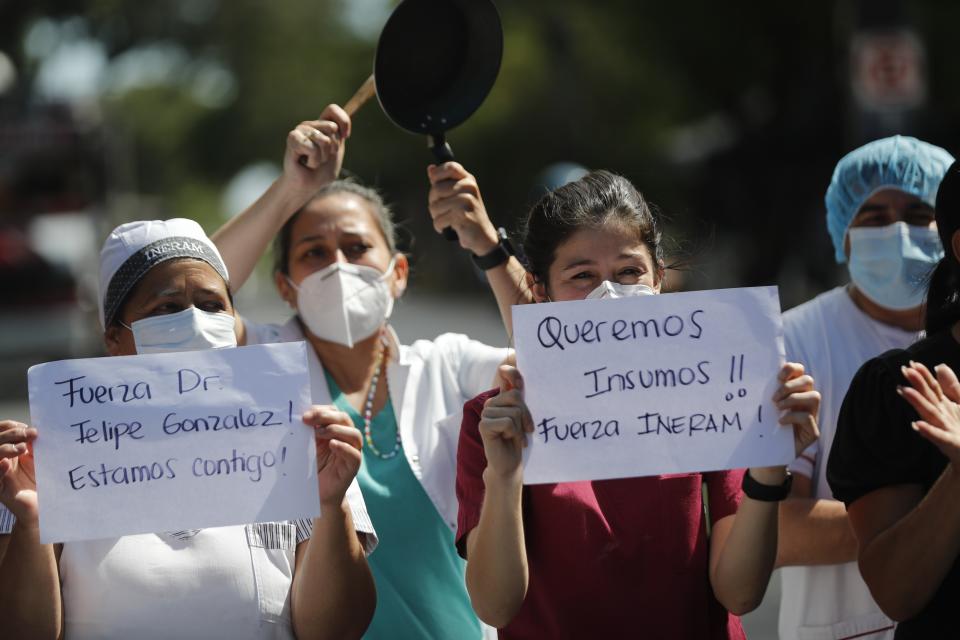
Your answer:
<point x="609" y="289"/>
<point x="891" y="264"/>
<point x="187" y="330"/>
<point x="345" y="303"/>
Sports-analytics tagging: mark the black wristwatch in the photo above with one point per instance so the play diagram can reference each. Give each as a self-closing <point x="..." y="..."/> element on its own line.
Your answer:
<point x="500" y="254"/>
<point x="764" y="492"/>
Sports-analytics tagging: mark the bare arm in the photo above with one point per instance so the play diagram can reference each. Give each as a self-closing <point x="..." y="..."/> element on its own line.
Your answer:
<point x="333" y="595"/>
<point x="29" y="579"/>
<point x="244" y="238"/>
<point x="813" y="531"/>
<point x="497" y="575"/>
<point x="508" y="282"/>
<point x="455" y="201"/>
<point x="497" y="571"/>
<point x="743" y="547"/>
<point x="908" y="542"/>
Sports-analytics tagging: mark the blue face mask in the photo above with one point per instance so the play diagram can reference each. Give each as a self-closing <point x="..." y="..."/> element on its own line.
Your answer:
<point x="891" y="264"/>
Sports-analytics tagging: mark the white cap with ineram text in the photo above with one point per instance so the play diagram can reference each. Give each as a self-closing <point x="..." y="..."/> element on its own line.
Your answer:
<point x="133" y="248"/>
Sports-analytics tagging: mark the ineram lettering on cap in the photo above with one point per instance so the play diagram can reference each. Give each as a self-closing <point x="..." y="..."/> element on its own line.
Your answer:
<point x="137" y="265"/>
<point x="172" y="245"/>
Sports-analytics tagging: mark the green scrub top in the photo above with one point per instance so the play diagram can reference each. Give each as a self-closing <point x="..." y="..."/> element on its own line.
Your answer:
<point x="421" y="592"/>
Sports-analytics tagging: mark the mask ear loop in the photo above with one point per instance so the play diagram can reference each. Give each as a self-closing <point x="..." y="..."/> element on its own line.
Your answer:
<point x="390" y="268"/>
<point x="390" y="271"/>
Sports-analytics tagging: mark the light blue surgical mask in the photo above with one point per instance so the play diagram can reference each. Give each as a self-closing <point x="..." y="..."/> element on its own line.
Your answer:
<point x="891" y="264"/>
<point x="187" y="330"/>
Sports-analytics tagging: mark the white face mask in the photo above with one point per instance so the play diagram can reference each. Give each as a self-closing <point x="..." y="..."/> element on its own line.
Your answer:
<point x="345" y="303"/>
<point x="609" y="289"/>
<point x="187" y="330"/>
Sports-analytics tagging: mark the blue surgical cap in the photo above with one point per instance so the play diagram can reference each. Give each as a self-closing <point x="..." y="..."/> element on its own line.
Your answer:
<point x="898" y="162"/>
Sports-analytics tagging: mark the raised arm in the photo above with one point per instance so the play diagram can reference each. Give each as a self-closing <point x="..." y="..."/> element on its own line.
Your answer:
<point x="455" y="201"/>
<point x="30" y="603"/>
<point x="313" y="157"/>
<point x="910" y="541"/>
<point x="743" y="547"/>
<point x="497" y="571"/>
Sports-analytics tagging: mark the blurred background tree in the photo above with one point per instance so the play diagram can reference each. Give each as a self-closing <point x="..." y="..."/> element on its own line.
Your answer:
<point x="729" y="117"/>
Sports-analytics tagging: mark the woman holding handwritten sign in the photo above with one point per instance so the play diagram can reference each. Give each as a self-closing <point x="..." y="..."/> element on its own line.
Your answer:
<point x="338" y="267"/>
<point x="632" y="557"/>
<point x="164" y="288"/>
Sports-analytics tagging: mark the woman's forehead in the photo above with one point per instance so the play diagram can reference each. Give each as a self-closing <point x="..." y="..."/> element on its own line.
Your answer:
<point x="606" y="242"/>
<point x="336" y="214"/>
<point x="173" y="276"/>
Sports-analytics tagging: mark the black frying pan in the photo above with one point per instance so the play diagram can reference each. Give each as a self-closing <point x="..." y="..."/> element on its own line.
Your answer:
<point x="436" y="62"/>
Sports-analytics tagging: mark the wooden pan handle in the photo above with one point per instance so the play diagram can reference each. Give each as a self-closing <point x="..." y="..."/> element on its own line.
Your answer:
<point x="366" y="91"/>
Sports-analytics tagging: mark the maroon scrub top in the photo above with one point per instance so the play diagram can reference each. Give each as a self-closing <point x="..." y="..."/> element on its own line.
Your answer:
<point x="611" y="558"/>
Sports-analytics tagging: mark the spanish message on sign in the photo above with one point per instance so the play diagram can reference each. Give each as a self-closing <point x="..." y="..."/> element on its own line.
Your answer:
<point x="173" y="441"/>
<point x="649" y="385"/>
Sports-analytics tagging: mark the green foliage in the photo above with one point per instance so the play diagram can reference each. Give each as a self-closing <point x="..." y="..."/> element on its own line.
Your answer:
<point x="642" y="88"/>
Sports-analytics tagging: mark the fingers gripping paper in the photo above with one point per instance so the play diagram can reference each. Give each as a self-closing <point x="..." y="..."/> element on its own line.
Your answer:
<point x="672" y="383"/>
<point x="148" y="443"/>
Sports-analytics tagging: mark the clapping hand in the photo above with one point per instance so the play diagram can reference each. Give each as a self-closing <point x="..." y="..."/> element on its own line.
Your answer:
<point x="935" y="399"/>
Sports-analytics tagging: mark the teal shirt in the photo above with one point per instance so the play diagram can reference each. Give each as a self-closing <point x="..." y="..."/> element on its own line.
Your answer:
<point x="418" y="573"/>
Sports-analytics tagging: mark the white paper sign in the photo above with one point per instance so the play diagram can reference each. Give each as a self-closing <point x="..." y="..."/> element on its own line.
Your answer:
<point x="166" y="442"/>
<point x="648" y="385"/>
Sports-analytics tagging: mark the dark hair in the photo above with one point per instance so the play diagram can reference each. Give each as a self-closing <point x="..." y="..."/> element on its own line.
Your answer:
<point x="382" y="213"/>
<point x="943" y="292"/>
<point x="590" y="202"/>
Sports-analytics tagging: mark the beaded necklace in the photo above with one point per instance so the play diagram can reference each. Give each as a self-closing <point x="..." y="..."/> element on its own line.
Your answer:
<point x="368" y="412"/>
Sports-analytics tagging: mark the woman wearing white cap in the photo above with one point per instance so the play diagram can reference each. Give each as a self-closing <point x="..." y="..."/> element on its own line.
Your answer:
<point x="338" y="267"/>
<point x="164" y="288"/>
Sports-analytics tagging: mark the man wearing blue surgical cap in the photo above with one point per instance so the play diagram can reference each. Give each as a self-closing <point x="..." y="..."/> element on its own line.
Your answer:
<point x="880" y="217"/>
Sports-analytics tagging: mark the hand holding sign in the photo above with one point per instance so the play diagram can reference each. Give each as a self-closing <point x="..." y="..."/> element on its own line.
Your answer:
<point x="339" y="446"/>
<point x="800" y="401"/>
<point x="18" y="480"/>
<point x="505" y="423"/>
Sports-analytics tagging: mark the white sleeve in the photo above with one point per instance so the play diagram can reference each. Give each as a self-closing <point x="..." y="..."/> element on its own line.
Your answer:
<point x="476" y="365"/>
<point x="361" y="521"/>
<point x="6" y="521"/>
